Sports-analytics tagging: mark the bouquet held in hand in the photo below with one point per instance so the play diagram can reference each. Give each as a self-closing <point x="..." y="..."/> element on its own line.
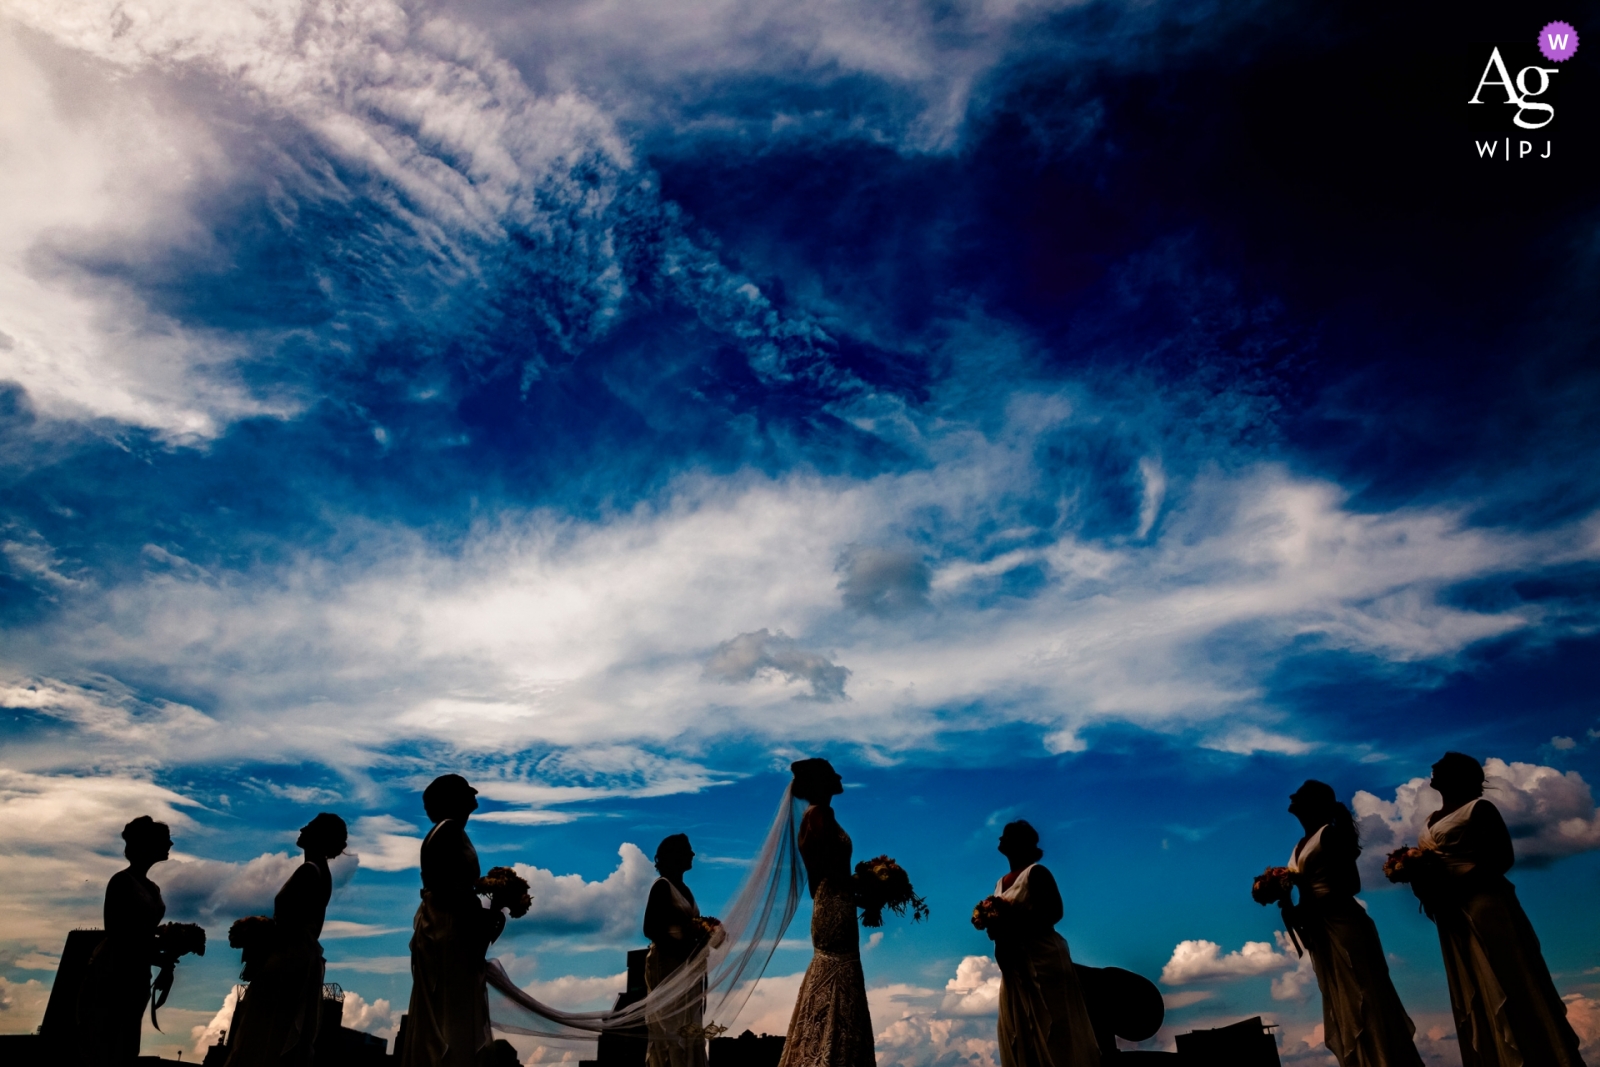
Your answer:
<point x="882" y="883"/>
<point x="990" y="912"/>
<point x="1403" y="865"/>
<point x="1273" y="886"/>
<point x="507" y="889"/>
<point x="710" y="929"/>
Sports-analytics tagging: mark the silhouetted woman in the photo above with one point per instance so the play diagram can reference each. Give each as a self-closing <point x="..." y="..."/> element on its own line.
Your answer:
<point x="1363" y="1022"/>
<point x="670" y="923"/>
<point x="449" y="1000"/>
<point x="116" y="988"/>
<point x="1508" y="1013"/>
<point x="277" y="1018"/>
<point x="1043" y="1020"/>
<point x="831" y="1026"/>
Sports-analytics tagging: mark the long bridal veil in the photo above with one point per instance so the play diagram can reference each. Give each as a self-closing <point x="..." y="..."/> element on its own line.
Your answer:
<point x="753" y="923"/>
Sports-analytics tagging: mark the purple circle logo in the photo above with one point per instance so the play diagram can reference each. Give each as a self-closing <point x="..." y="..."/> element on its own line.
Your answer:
<point x="1558" y="41"/>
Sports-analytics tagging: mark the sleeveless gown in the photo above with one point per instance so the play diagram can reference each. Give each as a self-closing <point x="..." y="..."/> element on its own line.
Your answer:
<point x="280" y="1012"/>
<point x="831" y="1025"/>
<point x="1043" y="1020"/>
<point x="1363" y="1022"/>
<point x="116" y="988"/>
<point x="668" y="1047"/>
<point x="1507" y="1010"/>
<point x="449" y="1012"/>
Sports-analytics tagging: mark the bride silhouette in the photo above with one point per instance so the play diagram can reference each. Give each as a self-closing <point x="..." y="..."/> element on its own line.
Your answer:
<point x="831" y="1025"/>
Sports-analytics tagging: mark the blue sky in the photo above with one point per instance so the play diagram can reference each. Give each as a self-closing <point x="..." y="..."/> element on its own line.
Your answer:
<point x="1104" y="414"/>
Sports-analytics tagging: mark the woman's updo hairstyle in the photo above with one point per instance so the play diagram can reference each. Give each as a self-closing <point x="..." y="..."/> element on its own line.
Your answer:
<point x="326" y="834"/>
<point x="447" y="795"/>
<point x="815" y="779"/>
<point x="1020" y="837"/>
<point x="672" y="847"/>
<point x="1320" y="797"/>
<point x="1462" y="768"/>
<point x="144" y="834"/>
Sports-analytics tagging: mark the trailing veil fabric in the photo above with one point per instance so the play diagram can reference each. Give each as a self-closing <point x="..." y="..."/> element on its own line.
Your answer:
<point x="753" y="923"/>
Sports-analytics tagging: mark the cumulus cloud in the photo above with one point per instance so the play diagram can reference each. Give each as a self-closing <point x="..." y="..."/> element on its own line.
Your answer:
<point x="975" y="989"/>
<point x="761" y="654"/>
<point x="22" y="1005"/>
<point x="60" y="840"/>
<point x="376" y="1018"/>
<point x="566" y="903"/>
<point x="1550" y="813"/>
<point x="1583" y="1012"/>
<point x="579" y="994"/>
<point x="216" y="892"/>
<point x="1200" y="961"/>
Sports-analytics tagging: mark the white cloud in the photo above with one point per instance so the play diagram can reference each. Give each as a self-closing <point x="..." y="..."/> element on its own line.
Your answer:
<point x="975" y="989"/>
<point x="22" y="1005"/>
<point x="580" y="994"/>
<point x="215" y="892"/>
<point x="544" y="630"/>
<point x="1199" y="961"/>
<point x="1550" y="814"/>
<point x="1299" y="983"/>
<point x="568" y="903"/>
<point x="1583" y="1012"/>
<point x="61" y="840"/>
<point x="207" y="1034"/>
<point x="644" y="60"/>
<point x="342" y="930"/>
<point x="382" y="843"/>
<point x="376" y="1018"/>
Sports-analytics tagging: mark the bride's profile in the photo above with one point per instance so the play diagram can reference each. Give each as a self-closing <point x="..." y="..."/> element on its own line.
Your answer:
<point x="831" y="1026"/>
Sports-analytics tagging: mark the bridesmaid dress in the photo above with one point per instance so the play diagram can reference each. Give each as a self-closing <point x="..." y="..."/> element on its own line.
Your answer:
<point x="1043" y="1019"/>
<point x="669" y="923"/>
<point x="116" y="988"/>
<point x="278" y="1016"/>
<point x="449" y="1012"/>
<point x="1508" y="1013"/>
<point x="1363" y="1022"/>
<point x="831" y="1025"/>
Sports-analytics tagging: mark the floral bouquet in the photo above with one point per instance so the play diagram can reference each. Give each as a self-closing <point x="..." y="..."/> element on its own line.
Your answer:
<point x="507" y="889"/>
<point x="989" y="912"/>
<point x="172" y="941"/>
<point x="882" y="883"/>
<point x="181" y="939"/>
<point x="252" y="936"/>
<point x="709" y="927"/>
<point x="1272" y="886"/>
<point x="1403" y="865"/>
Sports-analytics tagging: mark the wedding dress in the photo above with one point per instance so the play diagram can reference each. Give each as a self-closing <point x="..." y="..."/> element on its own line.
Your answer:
<point x="1507" y="1010"/>
<point x="1363" y="1022"/>
<point x="716" y="979"/>
<point x="1043" y="1020"/>
<point x="831" y="1025"/>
